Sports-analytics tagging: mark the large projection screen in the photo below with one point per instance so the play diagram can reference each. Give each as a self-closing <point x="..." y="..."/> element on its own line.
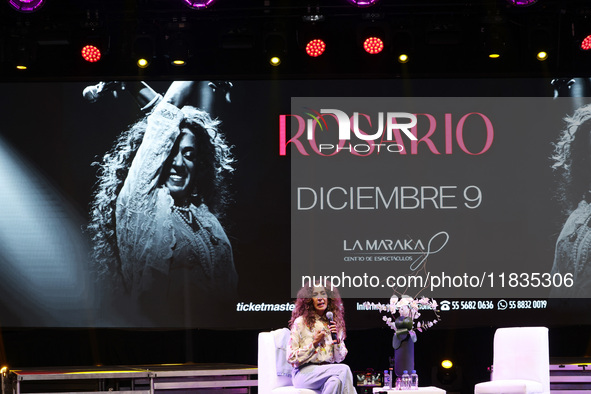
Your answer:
<point x="474" y="185"/>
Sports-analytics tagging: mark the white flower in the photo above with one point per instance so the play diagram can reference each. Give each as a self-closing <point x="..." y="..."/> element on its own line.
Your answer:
<point x="393" y="304"/>
<point x="406" y="307"/>
<point x="405" y="300"/>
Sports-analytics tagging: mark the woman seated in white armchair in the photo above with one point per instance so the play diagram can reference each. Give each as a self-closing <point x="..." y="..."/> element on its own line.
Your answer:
<point x="316" y="345"/>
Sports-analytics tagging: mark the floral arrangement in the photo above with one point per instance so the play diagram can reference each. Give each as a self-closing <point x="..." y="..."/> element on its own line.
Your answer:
<point x="405" y="312"/>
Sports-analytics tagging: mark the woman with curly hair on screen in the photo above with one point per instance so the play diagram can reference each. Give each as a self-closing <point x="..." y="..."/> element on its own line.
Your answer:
<point x="317" y="342"/>
<point x="572" y="161"/>
<point x="154" y="219"/>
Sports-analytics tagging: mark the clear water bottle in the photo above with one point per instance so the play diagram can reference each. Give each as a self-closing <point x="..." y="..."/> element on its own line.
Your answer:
<point x="414" y="380"/>
<point x="405" y="380"/>
<point x="392" y="378"/>
<point x="387" y="379"/>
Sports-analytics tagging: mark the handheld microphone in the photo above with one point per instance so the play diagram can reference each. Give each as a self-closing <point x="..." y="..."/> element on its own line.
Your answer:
<point x="330" y="318"/>
<point x="93" y="93"/>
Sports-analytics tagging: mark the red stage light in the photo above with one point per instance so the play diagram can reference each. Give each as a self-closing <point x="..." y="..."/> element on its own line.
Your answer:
<point x="373" y="45"/>
<point x="586" y="44"/>
<point x="91" y="53"/>
<point x="315" y="47"/>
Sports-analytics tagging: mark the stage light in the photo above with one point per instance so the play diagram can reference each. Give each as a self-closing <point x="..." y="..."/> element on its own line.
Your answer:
<point x="91" y="54"/>
<point x="373" y="36"/>
<point x="447" y="376"/>
<point x="495" y="40"/>
<point x="586" y="43"/>
<point x="312" y="34"/>
<point x="447" y="364"/>
<point x="373" y="45"/>
<point x="521" y="3"/>
<point x="541" y="40"/>
<point x="26" y="5"/>
<point x="24" y="54"/>
<point x="143" y="51"/>
<point x="315" y="47"/>
<point x="179" y="51"/>
<point x="402" y="42"/>
<point x="313" y="18"/>
<point x="363" y="3"/>
<point x="275" y="47"/>
<point x="93" y="39"/>
<point x="197" y="4"/>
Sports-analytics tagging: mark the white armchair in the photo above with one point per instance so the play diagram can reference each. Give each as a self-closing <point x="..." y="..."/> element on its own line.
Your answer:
<point x="272" y="365"/>
<point x="521" y="362"/>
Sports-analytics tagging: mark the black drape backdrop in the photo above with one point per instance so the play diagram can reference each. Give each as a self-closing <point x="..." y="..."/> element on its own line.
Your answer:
<point x="469" y="348"/>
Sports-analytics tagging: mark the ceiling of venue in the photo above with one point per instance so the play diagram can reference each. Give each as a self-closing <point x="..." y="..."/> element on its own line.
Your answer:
<point x="236" y="37"/>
